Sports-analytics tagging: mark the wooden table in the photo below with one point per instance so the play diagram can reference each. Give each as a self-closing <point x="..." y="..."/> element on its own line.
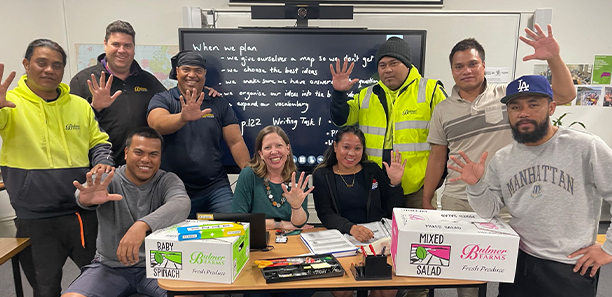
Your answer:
<point x="10" y="249"/>
<point x="250" y="279"/>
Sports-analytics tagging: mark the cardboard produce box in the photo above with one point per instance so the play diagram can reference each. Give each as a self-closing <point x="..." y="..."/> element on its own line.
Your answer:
<point x="217" y="260"/>
<point x="452" y="244"/>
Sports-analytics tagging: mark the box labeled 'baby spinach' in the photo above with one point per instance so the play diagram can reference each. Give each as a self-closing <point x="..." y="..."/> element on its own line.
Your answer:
<point x="217" y="260"/>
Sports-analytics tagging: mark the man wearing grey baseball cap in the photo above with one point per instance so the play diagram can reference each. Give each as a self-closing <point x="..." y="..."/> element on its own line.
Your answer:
<point x="552" y="180"/>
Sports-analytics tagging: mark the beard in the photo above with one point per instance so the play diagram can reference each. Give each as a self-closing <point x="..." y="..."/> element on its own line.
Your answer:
<point x="530" y="137"/>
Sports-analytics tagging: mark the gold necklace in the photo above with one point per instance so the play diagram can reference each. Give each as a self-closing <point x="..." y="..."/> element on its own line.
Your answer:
<point x="347" y="185"/>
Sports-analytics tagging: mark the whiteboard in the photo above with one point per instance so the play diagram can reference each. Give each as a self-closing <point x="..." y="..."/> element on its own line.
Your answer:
<point x="497" y="32"/>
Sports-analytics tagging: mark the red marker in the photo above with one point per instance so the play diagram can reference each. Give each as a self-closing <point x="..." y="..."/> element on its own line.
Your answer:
<point x="363" y="251"/>
<point x="372" y="249"/>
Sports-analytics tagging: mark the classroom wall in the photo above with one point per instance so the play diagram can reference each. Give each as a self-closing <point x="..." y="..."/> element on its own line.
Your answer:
<point x="580" y="27"/>
<point x="580" y="30"/>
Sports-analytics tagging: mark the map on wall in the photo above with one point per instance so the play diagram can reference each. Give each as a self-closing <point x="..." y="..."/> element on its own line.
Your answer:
<point x="152" y="58"/>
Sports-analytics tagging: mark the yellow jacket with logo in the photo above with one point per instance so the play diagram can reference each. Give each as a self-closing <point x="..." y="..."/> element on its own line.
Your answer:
<point x="45" y="147"/>
<point x="408" y="118"/>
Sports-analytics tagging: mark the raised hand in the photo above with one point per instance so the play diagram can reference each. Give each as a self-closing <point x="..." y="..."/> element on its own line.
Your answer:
<point x="470" y="172"/>
<point x="341" y="76"/>
<point x="100" y="93"/>
<point x="545" y="47"/>
<point x="296" y="196"/>
<point x="4" y="88"/>
<point x="95" y="191"/>
<point x="395" y="171"/>
<point x="190" y="106"/>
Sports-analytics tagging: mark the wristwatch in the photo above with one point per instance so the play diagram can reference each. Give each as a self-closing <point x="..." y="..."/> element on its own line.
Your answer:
<point x="277" y="223"/>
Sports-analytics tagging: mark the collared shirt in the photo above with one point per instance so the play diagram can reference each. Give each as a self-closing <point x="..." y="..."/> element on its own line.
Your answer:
<point x="473" y="127"/>
<point x="194" y="152"/>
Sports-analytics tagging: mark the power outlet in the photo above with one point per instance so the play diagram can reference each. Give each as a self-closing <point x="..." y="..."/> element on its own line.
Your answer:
<point x="209" y="18"/>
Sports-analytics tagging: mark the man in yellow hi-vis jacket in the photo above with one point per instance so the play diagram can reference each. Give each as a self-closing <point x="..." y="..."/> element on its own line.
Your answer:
<point x="50" y="138"/>
<point x="394" y="114"/>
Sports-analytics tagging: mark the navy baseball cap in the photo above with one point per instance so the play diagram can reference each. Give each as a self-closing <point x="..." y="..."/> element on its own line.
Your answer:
<point x="528" y="85"/>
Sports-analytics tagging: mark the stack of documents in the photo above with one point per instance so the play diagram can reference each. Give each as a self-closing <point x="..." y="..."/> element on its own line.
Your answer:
<point x="381" y="230"/>
<point x="329" y="242"/>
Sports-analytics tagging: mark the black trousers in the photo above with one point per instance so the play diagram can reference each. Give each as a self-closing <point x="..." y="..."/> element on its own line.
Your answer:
<point x="539" y="277"/>
<point x="52" y="241"/>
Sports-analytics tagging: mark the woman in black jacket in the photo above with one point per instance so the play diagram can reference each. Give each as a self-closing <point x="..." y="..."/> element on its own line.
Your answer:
<point x="350" y="190"/>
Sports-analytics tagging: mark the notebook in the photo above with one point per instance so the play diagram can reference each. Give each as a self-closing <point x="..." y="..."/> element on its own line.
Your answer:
<point x="328" y="242"/>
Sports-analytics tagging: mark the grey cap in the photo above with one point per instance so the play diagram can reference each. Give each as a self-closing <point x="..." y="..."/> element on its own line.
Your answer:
<point x="396" y="48"/>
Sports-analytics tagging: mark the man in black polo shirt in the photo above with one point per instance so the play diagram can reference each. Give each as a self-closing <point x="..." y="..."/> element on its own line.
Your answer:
<point x="131" y="87"/>
<point x="193" y="125"/>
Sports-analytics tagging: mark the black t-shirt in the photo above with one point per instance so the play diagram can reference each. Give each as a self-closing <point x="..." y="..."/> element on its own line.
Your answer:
<point x="194" y="151"/>
<point x="353" y="201"/>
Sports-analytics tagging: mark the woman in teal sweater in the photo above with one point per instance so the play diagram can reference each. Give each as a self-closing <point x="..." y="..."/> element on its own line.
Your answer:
<point x="268" y="184"/>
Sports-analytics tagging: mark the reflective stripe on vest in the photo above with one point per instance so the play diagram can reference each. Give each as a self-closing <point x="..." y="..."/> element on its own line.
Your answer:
<point x="372" y="152"/>
<point x="411" y="125"/>
<point x="373" y="130"/>
<point x="411" y="147"/>
<point x="422" y="97"/>
<point x="366" y="99"/>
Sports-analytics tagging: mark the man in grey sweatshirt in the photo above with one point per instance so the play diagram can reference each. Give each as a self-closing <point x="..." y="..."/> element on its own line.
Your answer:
<point x="552" y="180"/>
<point x="138" y="200"/>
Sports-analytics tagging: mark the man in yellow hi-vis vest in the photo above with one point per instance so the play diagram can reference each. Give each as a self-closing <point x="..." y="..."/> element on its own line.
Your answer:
<point x="394" y="114"/>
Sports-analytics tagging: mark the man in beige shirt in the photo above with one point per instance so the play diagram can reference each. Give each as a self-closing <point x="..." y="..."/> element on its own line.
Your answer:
<point x="473" y="120"/>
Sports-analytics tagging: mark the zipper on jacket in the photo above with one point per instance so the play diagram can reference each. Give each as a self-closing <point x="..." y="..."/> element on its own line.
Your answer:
<point x="62" y="133"/>
<point x="43" y="112"/>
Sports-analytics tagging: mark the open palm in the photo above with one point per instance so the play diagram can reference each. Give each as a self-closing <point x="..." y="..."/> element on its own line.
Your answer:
<point x="341" y="76"/>
<point x="395" y="171"/>
<point x="296" y="195"/>
<point x="190" y="106"/>
<point x="470" y="172"/>
<point x="95" y="191"/>
<point x="545" y="47"/>
<point x="4" y="88"/>
<point x="100" y="92"/>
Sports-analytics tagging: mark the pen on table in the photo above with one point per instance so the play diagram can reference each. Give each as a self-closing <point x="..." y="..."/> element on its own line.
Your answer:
<point x="372" y="249"/>
<point x="384" y="224"/>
